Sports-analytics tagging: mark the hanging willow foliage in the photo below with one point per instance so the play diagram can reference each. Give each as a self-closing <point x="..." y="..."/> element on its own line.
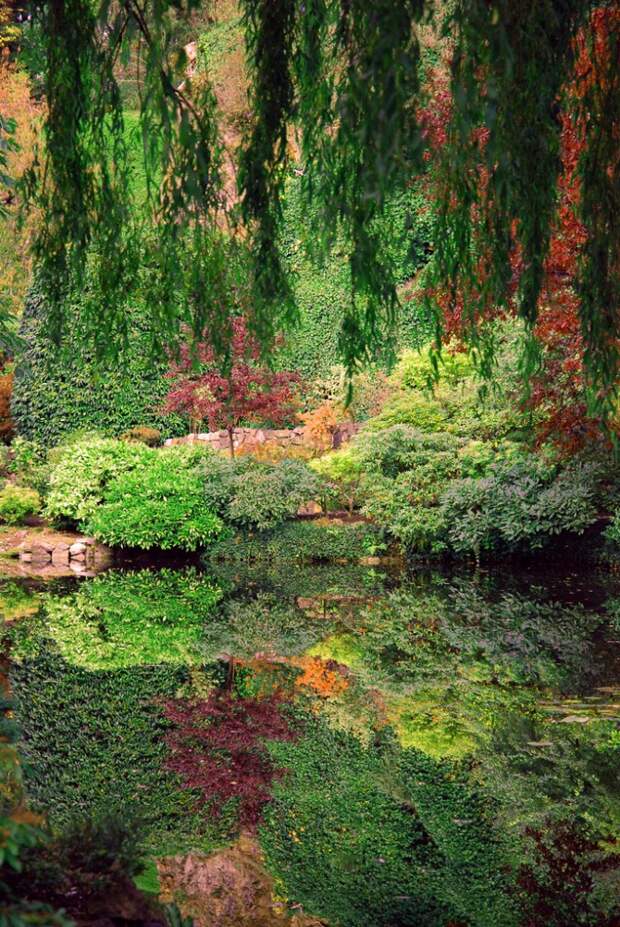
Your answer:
<point x="335" y="89"/>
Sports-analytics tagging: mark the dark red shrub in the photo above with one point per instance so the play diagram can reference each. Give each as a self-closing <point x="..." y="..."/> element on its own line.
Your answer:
<point x="217" y="747"/>
<point x="558" y="886"/>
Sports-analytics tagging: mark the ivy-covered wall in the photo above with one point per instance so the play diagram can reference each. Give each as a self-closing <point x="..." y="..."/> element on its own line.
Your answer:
<point x="323" y="293"/>
<point x="104" y="752"/>
<point x="60" y="389"/>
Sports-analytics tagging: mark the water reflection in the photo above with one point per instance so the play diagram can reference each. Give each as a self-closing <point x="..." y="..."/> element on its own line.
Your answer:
<point x="429" y="749"/>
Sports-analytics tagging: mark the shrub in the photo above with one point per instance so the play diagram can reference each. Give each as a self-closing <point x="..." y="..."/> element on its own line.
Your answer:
<point x="264" y="496"/>
<point x="518" y="506"/>
<point x="160" y="505"/>
<point x="29" y="464"/>
<point x="17" y="502"/>
<point x="144" y="435"/>
<point x="401" y="509"/>
<point x="7" y="424"/>
<point x="82" y="473"/>
<point x="403" y="448"/>
<point x="344" y="469"/>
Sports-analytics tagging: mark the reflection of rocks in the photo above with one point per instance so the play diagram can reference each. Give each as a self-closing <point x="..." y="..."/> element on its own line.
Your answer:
<point x="230" y="888"/>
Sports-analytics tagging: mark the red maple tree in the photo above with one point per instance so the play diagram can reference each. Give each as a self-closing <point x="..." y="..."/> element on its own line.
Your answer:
<point x="217" y="747"/>
<point x="558" y="390"/>
<point x="245" y="390"/>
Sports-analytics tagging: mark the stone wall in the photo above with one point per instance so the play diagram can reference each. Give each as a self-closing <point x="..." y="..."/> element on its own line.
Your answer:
<point x="81" y="554"/>
<point x="246" y="439"/>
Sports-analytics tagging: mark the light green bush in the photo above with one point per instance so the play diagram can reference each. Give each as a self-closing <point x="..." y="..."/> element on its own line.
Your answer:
<point x="17" y="502"/>
<point x="82" y="473"/>
<point x="344" y="469"/>
<point x="158" y="505"/>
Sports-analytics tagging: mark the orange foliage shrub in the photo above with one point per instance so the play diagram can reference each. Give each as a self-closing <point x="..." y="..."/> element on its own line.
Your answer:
<point x="6" y="422"/>
<point x="322" y="676"/>
<point x="321" y="423"/>
<point x="16" y="103"/>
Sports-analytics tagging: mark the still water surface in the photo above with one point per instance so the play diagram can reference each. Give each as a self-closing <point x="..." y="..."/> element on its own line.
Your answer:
<point x="429" y="748"/>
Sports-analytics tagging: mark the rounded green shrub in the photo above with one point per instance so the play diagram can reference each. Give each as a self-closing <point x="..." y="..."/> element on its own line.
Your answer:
<point x="158" y="505"/>
<point x="17" y="503"/>
<point x="83" y="471"/>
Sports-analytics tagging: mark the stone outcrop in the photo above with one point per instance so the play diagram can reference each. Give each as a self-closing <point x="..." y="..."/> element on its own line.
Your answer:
<point x="230" y="888"/>
<point x="247" y="439"/>
<point x="80" y="555"/>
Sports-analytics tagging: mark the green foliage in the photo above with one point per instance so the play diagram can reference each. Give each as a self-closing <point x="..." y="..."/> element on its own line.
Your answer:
<point x="29" y="464"/>
<point x="415" y="369"/>
<point x="160" y="505"/>
<point x="17" y="502"/>
<point x="344" y="469"/>
<point x="104" y="753"/>
<point x="612" y="531"/>
<point x="323" y="293"/>
<point x="16" y="600"/>
<point x="405" y="473"/>
<point x="257" y="495"/>
<point x="132" y="619"/>
<point x="82" y="472"/>
<point x="265" y="624"/>
<point x="61" y="389"/>
<point x="519" y="506"/>
<point x="303" y="541"/>
<point x="366" y="836"/>
<point x="266" y="495"/>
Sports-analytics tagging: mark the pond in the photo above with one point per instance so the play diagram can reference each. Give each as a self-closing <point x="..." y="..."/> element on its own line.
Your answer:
<point x="350" y="747"/>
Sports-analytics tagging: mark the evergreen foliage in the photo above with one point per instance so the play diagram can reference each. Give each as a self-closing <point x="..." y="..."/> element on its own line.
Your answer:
<point x="60" y="389"/>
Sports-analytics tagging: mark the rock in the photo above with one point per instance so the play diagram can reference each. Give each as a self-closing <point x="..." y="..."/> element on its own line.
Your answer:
<point x="79" y="558"/>
<point x="76" y="566"/>
<point x="62" y="545"/>
<point x="60" y="557"/>
<point x="25" y="556"/>
<point x="78" y="548"/>
<point x="41" y="553"/>
<point x="230" y="888"/>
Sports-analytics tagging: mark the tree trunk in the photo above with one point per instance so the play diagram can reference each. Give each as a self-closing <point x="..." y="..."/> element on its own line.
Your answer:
<point x="231" y="441"/>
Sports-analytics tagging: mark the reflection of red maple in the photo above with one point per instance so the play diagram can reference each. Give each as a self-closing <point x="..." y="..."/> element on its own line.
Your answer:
<point x="248" y="391"/>
<point x="558" y="391"/>
<point x="216" y="746"/>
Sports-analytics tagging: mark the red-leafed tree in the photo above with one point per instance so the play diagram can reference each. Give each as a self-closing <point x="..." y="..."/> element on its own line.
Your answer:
<point x="244" y="390"/>
<point x="217" y="747"/>
<point x="559" y="388"/>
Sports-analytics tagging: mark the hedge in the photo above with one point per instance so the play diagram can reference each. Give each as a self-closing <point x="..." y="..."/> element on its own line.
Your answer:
<point x="93" y="743"/>
<point x="323" y="294"/>
<point x="62" y="389"/>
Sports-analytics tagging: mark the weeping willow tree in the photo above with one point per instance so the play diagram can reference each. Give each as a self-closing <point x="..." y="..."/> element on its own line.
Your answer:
<point x="336" y="91"/>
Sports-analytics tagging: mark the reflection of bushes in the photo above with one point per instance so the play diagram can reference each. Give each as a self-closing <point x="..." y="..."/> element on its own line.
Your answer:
<point x="373" y="836"/>
<point x="93" y="745"/>
<point x="301" y="541"/>
<point x="125" y="619"/>
<point x="216" y="748"/>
